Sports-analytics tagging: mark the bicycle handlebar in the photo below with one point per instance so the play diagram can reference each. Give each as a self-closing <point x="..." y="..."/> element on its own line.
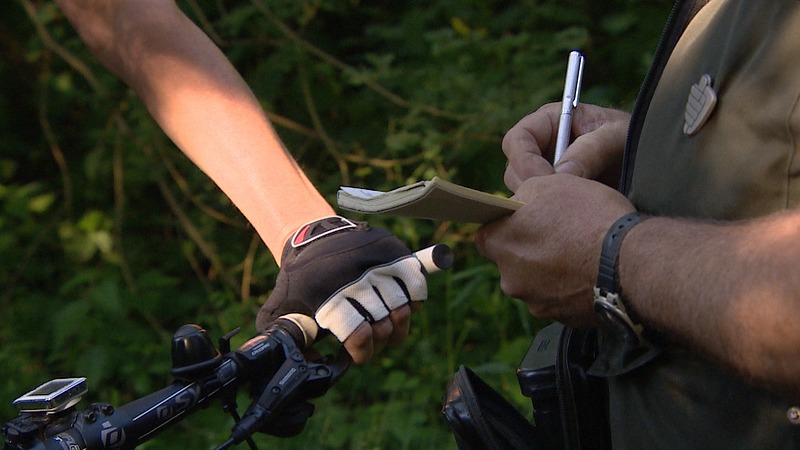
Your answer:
<point x="272" y="354"/>
<point x="272" y="362"/>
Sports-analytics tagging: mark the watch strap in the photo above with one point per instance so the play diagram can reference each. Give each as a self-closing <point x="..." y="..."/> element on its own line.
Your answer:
<point x="607" y="296"/>
<point x="607" y="276"/>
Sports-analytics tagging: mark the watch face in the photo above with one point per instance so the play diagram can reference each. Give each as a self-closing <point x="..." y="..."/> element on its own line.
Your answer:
<point x="613" y="320"/>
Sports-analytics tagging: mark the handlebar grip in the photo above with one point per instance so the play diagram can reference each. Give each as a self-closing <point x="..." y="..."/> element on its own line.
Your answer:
<point x="302" y="328"/>
<point x="435" y="258"/>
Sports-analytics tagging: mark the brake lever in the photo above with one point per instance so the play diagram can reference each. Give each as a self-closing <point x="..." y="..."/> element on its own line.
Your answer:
<point x="295" y="413"/>
<point x="294" y="382"/>
<point x="322" y="375"/>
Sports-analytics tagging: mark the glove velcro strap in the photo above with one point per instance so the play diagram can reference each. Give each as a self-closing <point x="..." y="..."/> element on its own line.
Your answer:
<point x="373" y="296"/>
<point x="312" y="231"/>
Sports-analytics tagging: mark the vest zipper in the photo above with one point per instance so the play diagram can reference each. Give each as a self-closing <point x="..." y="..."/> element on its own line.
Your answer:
<point x="679" y="17"/>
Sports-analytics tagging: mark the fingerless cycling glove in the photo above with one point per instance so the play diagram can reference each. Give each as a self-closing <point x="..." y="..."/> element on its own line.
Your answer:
<point x="343" y="273"/>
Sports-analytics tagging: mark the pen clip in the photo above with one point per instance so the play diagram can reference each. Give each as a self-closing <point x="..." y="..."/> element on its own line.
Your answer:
<point x="572" y="88"/>
<point x="579" y="80"/>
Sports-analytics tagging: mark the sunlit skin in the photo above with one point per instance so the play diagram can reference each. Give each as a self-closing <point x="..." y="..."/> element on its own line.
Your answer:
<point x="726" y="290"/>
<point x="204" y="106"/>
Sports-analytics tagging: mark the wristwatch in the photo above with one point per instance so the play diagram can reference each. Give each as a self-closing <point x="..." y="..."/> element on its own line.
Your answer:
<point x="608" y="302"/>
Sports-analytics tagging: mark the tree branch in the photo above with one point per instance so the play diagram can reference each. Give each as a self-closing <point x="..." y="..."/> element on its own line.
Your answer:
<point x="72" y="60"/>
<point x="380" y="90"/>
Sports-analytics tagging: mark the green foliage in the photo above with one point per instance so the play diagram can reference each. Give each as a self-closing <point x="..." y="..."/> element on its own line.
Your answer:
<point x="99" y="268"/>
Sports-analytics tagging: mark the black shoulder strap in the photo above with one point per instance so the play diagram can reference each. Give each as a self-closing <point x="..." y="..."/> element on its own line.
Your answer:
<point x="682" y="13"/>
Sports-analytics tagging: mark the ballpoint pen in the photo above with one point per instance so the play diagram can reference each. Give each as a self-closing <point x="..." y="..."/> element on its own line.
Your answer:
<point x="569" y="101"/>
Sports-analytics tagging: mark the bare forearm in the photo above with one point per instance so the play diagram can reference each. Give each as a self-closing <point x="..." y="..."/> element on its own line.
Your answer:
<point x="202" y="103"/>
<point x="730" y="290"/>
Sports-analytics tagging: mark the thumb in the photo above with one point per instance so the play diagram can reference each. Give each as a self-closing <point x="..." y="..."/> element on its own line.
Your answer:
<point x="592" y="153"/>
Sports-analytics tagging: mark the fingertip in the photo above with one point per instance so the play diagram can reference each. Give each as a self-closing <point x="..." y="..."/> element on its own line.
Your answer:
<point x="401" y="325"/>
<point x="382" y="331"/>
<point x="483" y="235"/>
<point x="359" y="344"/>
<point x="570" y="167"/>
<point x="511" y="179"/>
<point x="480" y="238"/>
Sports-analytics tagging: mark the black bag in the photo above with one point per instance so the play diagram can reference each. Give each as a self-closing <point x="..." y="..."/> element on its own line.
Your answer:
<point x="481" y="418"/>
<point x="570" y="406"/>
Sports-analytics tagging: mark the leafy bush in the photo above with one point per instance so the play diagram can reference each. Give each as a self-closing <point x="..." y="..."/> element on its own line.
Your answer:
<point x="111" y="239"/>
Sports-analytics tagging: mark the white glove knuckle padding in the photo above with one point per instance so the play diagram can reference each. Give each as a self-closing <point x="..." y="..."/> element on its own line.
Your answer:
<point x="377" y="292"/>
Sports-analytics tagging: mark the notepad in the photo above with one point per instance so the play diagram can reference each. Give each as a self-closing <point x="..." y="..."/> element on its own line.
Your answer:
<point x="434" y="199"/>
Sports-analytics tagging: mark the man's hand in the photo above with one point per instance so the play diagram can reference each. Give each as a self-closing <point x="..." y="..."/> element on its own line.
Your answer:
<point x="355" y="281"/>
<point x="548" y="251"/>
<point x="598" y="143"/>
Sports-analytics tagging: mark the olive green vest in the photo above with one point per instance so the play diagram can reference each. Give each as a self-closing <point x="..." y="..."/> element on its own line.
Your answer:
<point x="741" y="162"/>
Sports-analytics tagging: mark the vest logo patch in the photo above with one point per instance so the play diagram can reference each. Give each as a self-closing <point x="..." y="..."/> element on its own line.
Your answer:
<point x="701" y="103"/>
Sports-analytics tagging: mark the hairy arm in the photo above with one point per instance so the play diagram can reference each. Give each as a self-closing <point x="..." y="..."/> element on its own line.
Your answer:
<point x="204" y="106"/>
<point x="730" y="290"/>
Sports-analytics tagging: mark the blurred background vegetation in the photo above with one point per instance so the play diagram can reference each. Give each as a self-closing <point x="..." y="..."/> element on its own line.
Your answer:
<point x="110" y="239"/>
